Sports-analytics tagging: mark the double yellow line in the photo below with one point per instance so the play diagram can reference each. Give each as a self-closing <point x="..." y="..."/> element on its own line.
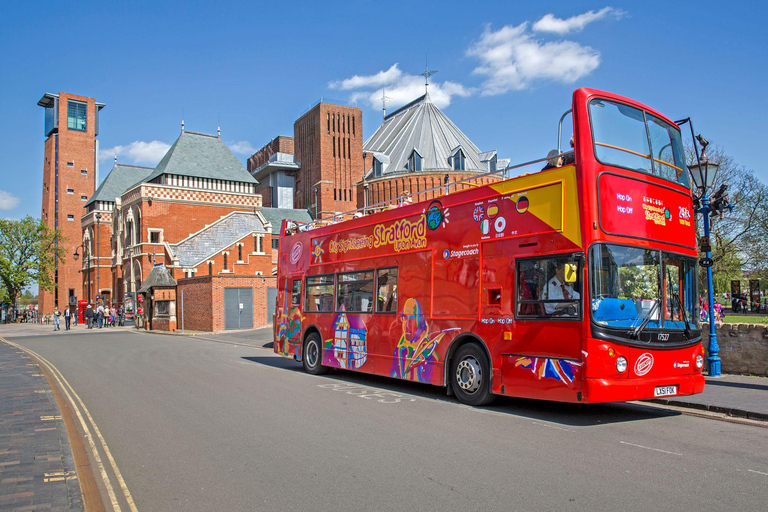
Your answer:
<point x="82" y="413"/>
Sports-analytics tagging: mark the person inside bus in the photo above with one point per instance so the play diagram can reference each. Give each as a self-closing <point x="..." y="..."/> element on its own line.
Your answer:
<point x="570" y="158"/>
<point x="559" y="289"/>
<point x="553" y="160"/>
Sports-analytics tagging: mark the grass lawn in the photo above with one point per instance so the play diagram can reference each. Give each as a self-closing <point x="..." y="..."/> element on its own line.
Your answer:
<point x="742" y="319"/>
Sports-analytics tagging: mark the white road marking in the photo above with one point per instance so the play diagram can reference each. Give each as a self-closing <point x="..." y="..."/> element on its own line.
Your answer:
<point x="758" y="472"/>
<point x="552" y="426"/>
<point x="649" y="448"/>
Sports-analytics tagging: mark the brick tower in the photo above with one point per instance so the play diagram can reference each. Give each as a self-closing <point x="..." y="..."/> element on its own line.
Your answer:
<point x="70" y="173"/>
<point x="328" y="143"/>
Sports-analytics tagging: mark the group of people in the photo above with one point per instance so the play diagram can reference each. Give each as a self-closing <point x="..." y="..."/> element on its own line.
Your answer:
<point x="102" y="316"/>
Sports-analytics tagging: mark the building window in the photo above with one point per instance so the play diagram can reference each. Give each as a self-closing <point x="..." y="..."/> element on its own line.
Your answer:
<point x="458" y="161"/>
<point x="239" y="252"/>
<point x="76" y="115"/>
<point x="414" y="162"/>
<point x="210" y="268"/>
<point x="70" y="164"/>
<point x="377" y="167"/>
<point x="334" y="146"/>
<point x="162" y="308"/>
<point x="84" y="172"/>
<point x="71" y="217"/>
<point x="83" y="198"/>
<point x="154" y="236"/>
<point x="225" y="261"/>
<point x="276" y="243"/>
<point x="71" y="191"/>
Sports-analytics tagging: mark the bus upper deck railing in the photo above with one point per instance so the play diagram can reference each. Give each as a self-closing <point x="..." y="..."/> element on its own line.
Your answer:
<point x="294" y="226"/>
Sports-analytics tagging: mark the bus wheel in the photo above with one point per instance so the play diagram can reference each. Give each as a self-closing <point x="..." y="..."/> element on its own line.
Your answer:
<point x="313" y="355"/>
<point x="471" y="376"/>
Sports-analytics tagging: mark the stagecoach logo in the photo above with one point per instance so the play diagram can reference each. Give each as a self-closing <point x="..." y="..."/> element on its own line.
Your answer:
<point x="643" y="364"/>
<point x="296" y="252"/>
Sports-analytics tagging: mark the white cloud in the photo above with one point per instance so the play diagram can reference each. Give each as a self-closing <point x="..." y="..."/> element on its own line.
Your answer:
<point x="550" y="23"/>
<point x="137" y="152"/>
<point x="242" y="147"/>
<point x="378" y="80"/>
<point x="399" y="87"/>
<point x="511" y="58"/>
<point x="8" y="201"/>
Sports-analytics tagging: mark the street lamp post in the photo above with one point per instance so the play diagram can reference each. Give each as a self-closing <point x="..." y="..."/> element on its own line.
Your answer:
<point x="98" y="288"/>
<point x="87" y="261"/>
<point x="703" y="175"/>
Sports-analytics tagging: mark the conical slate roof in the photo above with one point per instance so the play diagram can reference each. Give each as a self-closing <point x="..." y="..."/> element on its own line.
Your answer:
<point x="420" y="125"/>
<point x="200" y="155"/>
<point x="160" y="277"/>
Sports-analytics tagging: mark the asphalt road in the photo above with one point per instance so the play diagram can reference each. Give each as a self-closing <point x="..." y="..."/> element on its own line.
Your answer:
<point x="199" y="425"/>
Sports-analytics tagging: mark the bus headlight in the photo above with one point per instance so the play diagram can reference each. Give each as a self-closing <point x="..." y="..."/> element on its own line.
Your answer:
<point x="621" y="364"/>
<point x="699" y="362"/>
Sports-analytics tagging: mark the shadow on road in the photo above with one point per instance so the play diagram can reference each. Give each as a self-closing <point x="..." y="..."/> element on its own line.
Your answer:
<point x="745" y="385"/>
<point x="577" y="415"/>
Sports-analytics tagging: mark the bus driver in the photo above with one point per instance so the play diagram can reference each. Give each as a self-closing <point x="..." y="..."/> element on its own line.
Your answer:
<point x="559" y="289"/>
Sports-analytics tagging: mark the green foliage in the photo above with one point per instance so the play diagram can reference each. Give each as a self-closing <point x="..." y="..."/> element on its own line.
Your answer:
<point x="28" y="252"/>
<point x="639" y="282"/>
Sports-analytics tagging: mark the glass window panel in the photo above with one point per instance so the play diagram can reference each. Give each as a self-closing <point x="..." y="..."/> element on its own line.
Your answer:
<point x="386" y="290"/>
<point x="667" y="151"/>
<point x="355" y="292"/>
<point x="76" y="115"/>
<point x="549" y="287"/>
<point x="319" y="294"/>
<point x="619" y="135"/>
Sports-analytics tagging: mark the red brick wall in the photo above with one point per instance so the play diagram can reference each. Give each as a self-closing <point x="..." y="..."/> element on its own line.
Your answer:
<point x="78" y="148"/>
<point x="280" y="144"/>
<point x="204" y="301"/>
<point x="329" y="148"/>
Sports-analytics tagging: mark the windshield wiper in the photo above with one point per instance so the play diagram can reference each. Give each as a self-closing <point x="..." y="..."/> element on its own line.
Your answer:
<point x="635" y="333"/>
<point x="683" y="312"/>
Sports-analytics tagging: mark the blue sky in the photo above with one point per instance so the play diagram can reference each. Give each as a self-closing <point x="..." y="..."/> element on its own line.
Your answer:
<point x="506" y="70"/>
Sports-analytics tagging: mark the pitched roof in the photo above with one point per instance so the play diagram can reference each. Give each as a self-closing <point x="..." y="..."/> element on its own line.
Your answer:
<point x="118" y="180"/>
<point x="422" y="126"/>
<point x="275" y="216"/>
<point x="201" y="155"/>
<point x="158" y="278"/>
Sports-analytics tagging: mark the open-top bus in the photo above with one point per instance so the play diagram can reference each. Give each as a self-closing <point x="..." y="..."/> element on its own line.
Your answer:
<point x="576" y="283"/>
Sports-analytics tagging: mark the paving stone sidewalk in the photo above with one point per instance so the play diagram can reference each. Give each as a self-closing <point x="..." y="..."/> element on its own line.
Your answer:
<point x="37" y="471"/>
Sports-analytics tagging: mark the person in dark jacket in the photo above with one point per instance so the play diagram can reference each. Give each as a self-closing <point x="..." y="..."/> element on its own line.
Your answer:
<point x="89" y="317"/>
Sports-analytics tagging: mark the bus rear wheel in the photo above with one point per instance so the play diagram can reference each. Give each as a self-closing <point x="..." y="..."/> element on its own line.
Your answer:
<point x="313" y="355"/>
<point x="471" y="375"/>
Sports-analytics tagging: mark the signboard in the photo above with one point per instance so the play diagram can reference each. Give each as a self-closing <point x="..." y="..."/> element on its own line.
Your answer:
<point x="735" y="288"/>
<point x="705" y="262"/>
<point x="638" y="209"/>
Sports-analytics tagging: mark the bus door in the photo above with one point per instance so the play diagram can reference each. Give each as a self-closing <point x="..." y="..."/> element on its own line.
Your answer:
<point x="288" y="324"/>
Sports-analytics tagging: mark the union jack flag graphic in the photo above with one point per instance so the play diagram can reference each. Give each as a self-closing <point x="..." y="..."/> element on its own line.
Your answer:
<point x="561" y="370"/>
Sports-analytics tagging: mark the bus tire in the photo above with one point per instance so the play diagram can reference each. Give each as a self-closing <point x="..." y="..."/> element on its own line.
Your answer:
<point x="471" y="375"/>
<point x="313" y="355"/>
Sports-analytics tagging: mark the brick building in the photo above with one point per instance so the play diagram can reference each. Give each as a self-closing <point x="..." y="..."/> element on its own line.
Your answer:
<point x="328" y="143"/>
<point x="418" y="148"/>
<point x="70" y="174"/>
<point x="275" y="168"/>
<point x="195" y="214"/>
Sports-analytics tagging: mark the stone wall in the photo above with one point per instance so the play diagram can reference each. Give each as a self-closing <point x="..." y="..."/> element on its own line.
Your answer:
<point x="743" y="348"/>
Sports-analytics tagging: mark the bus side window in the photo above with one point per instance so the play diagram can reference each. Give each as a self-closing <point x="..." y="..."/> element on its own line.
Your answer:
<point x="319" y="292"/>
<point x="386" y="290"/>
<point x="296" y="292"/>
<point x="549" y="287"/>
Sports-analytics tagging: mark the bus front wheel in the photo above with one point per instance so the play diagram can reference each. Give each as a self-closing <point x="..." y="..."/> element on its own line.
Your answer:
<point x="471" y="375"/>
<point x="313" y="355"/>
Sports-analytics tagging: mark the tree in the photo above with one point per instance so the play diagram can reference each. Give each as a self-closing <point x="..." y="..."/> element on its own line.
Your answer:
<point x="28" y="253"/>
<point x="739" y="239"/>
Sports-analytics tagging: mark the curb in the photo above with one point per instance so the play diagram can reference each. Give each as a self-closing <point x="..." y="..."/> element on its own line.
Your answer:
<point x="730" y="411"/>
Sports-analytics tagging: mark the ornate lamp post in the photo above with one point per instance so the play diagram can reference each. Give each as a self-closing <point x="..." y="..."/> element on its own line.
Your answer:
<point x="87" y="261"/>
<point x="98" y="287"/>
<point x="703" y="176"/>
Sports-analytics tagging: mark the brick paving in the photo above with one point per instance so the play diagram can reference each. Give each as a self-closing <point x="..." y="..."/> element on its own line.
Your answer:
<point x="37" y="471"/>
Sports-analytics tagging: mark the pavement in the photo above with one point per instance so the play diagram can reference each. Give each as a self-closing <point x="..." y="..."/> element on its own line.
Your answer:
<point x="37" y="470"/>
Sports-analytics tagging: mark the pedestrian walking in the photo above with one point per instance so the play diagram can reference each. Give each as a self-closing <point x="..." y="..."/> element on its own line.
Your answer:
<point x="121" y="316"/>
<point x="100" y="316"/>
<point x="67" y="318"/>
<point x="107" y="314"/>
<point x="56" y="315"/>
<point x="89" y="317"/>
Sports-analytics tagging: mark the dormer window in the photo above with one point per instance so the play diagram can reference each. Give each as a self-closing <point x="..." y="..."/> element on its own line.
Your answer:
<point x="377" y="167"/>
<point x="459" y="161"/>
<point x="492" y="164"/>
<point x="414" y="161"/>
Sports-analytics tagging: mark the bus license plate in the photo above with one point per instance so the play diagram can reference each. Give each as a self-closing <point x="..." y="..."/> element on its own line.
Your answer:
<point x="665" y="391"/>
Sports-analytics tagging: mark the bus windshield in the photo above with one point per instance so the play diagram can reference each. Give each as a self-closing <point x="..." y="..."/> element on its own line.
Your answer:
<point x="628" y="137"/>
<point x="630" y="284"/>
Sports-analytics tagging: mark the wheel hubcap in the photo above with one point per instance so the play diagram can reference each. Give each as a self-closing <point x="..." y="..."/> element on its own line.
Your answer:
<point x="312" y="354"/>
<point x="469" y="376"/>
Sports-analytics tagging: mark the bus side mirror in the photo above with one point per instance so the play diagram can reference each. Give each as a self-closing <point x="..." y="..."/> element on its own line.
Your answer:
<point x="571" y="272"/>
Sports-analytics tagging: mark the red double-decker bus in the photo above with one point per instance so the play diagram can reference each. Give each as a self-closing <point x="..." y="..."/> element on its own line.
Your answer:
<point x="575" y="283"/>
